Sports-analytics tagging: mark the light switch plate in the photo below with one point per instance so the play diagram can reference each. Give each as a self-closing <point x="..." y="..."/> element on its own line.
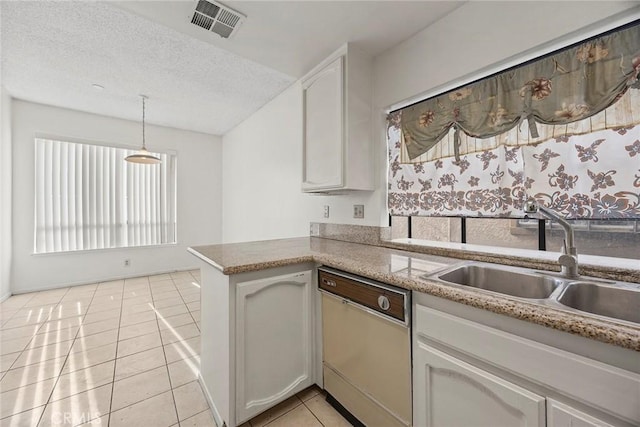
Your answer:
<point x="326" y="211"/>
<point x="358" y="211"/>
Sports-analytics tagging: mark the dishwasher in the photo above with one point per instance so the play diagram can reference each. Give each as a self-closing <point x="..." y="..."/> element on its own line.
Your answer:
<point x="366" y="347"/>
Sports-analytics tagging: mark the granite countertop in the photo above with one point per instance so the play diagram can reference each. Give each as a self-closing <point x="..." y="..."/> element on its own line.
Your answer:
<point x="404" y="269"/>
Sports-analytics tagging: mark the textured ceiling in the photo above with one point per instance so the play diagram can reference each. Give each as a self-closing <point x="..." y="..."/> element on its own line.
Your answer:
<point x="294" y="36"/>
<point x="52" y="53"/>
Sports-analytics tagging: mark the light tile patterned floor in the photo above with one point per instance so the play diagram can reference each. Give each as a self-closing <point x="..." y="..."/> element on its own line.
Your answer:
<point x="119" y="353"/>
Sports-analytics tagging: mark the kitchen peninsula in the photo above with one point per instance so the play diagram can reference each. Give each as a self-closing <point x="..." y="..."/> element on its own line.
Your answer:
<point x="261" y="335"/>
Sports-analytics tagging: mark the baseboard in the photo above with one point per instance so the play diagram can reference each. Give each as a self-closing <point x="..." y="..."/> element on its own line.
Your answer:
<point x="343" y="411"/>
<point x="5" y="296"/>
<point x="216" y="415"/>
<point x="81" y="283"/>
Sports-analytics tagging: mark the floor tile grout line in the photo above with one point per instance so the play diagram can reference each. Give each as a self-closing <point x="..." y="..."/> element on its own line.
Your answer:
<point x="185" y="303"/>
<point x="283" y="414"/>
<point x="65" y="360"/>
<point x="36" y="332"/>
<point x="94" y="295"/>
<point x="26" y="346"/>
<point x="21" y="307"/>
<point x="115" y="364"/>
<point x="114" y="381"/>
<point x="312" y="413"/>
<point x="135" y="403"/>
<point x="139" y="401"/>
<point x="166" y="364"/>
<point x="21" y="412"/>
<point x="196" y="414"/>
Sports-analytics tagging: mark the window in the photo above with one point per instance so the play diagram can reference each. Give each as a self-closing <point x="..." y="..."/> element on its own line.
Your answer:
<point x="465" y="161"/>
<point x="610" y="238"/>
<point x="88" y="197"/>
<point x="467" y="153"/>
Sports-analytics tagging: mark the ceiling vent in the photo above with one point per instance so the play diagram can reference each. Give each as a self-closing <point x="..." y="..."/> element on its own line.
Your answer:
<point x="217" y="18"/>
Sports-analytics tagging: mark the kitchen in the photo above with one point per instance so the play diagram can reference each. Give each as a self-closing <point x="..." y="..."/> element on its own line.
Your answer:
<point x="219" y="203"/>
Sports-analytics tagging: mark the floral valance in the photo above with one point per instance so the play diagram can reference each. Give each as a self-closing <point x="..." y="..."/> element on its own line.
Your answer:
<point x="569" y="86"/>
<point x="589" y="176"/>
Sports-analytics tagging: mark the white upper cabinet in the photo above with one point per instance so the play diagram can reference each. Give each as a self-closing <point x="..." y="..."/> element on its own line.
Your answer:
<point x="337" y="139"/>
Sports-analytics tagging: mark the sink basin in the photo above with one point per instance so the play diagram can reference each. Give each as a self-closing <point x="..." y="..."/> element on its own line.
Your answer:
<point x="503" y="280"/>
<point x="619" y="303"/>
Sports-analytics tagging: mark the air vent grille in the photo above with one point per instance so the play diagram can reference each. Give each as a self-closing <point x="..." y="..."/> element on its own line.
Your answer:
<point x="217" y="18"/>
<point x="206" y="8"/>
<point x="202" y="21"/>
<point x="228" y="18"/>
<point x="222" y="30"/>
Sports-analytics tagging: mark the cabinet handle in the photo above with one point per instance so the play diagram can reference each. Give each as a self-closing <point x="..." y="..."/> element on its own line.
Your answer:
<point x="329" y="283"/>
<point x="383" y="302"/>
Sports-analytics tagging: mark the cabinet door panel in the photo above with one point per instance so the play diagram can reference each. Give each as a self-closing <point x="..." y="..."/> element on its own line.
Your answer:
<point x="273" y="321"/>
<point x="561" y="415"/>
<point x="452" y="393"/>
<point x="323" y="128"/>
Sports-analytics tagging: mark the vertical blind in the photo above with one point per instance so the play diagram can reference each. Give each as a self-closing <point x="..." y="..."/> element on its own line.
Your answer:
<point x="88" y="197"/>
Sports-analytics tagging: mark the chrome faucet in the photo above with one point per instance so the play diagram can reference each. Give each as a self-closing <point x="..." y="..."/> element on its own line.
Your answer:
<point x="569" y="259"/>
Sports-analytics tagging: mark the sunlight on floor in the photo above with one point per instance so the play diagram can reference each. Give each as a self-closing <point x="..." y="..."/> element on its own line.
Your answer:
<point x="118" y="353"/>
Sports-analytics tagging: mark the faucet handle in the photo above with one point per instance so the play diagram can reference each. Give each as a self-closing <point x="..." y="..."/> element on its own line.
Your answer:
<point x="563" y="249"/>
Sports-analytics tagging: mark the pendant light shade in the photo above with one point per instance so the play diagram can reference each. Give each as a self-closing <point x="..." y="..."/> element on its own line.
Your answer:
<point x="143" y="155"/>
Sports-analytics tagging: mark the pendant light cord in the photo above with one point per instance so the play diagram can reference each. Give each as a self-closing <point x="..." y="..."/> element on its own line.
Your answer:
<point x="143" y="114"/>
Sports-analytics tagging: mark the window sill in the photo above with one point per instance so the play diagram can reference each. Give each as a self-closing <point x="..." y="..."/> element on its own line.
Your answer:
<point x="85" y="251"/>
<point x="525" y="254"/>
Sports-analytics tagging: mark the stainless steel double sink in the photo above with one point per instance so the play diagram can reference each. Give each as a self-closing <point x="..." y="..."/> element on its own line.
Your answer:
<point x="617" y="300"/>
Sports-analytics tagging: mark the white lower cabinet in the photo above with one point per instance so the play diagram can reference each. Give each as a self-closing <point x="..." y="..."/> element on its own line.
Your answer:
<point x="257" y="339"/>
<point x="273" y="341"/>
<point x="449" y="392"/>
<point x="561" y="415"/>
<point x="467" y="373"/>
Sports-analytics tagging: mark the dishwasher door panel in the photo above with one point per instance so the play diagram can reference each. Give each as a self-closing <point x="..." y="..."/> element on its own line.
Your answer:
<point x="370" y="352"/>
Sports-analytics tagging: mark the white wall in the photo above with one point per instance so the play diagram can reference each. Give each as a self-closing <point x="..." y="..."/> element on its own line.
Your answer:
<point x="262" y="169"/>
<point x="262" y="156"/>
<point x="199" y="195"/>
<point x="480" y="38"/>
<point x="5" y="194"/>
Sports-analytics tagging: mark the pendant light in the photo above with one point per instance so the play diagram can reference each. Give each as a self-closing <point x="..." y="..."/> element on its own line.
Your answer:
<point x="143" y="156"/>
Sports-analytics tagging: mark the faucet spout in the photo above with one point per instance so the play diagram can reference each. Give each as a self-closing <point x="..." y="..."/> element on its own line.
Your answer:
<point x="569" y="259"/>
<point x="569" y="240"/>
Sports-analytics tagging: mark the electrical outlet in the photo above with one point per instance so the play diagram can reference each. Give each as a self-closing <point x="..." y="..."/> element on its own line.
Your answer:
<point x="314" y="229"/>
<point x="326" y="211"/>
<point x="127" y="262"/>
<point x="358" y="211"/>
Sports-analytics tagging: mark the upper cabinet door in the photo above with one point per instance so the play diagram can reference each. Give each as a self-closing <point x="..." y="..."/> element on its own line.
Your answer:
<point x="338" y="148"/>
<point x="452" y="393"/>
<point x="323" y="106"/>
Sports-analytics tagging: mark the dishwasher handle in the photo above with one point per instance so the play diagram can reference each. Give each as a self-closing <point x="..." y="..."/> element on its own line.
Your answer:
<point x="384" y="299"/>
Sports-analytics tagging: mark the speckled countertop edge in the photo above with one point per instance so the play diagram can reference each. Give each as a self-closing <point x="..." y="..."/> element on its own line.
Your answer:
<point x="600" y="271"/>
<point x="593" y="327"/>
<point x="587" y="326"/>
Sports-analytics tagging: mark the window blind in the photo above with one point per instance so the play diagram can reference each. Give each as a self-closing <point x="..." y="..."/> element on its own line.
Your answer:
<point x="88" y="197"/>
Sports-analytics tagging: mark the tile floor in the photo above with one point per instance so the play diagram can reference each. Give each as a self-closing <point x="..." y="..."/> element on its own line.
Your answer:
<point x="119" y="353"/>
